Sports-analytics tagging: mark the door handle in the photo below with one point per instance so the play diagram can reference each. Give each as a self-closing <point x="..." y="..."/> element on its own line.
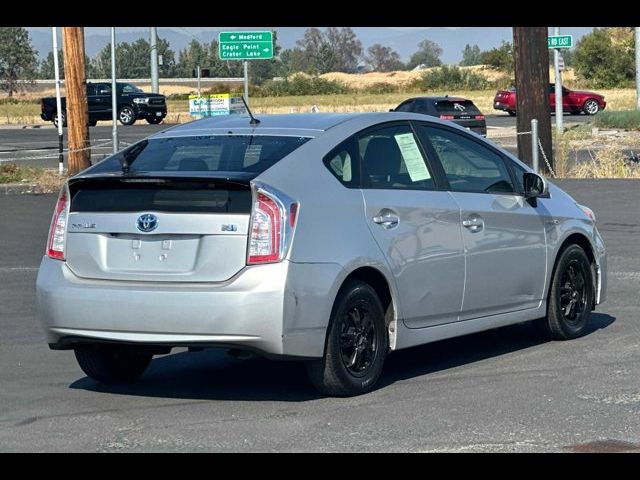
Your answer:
<point x="386" y="219"/>
<point x="474" y="223"/>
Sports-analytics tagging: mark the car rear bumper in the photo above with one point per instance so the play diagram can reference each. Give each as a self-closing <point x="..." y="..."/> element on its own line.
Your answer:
<point x="277" y="309"/>
<point x="501" y="106"/>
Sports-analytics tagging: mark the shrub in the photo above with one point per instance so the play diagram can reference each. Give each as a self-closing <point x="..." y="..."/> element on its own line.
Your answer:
<point x="9" y="173"/>
<point x="300" y="85"/>
<point x="380" y="88"/>
<point x="629" y="119"/>
<point x="452" y="77"/>
<point x="604" y="58"/>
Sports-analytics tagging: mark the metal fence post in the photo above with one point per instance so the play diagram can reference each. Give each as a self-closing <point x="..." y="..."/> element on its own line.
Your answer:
<point x="534" y="145"/>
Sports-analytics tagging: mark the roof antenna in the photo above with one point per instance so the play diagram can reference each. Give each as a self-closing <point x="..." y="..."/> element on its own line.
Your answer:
<point x="254" y="120"/>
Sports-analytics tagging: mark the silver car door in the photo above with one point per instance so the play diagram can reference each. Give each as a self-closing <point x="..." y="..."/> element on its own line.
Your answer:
<point x="503" y="234"/>
<point x="415" y="224"/>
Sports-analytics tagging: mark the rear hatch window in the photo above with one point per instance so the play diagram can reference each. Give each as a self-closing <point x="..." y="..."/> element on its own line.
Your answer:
<point x="463" y="109"/>
<point x="203" y="154"/>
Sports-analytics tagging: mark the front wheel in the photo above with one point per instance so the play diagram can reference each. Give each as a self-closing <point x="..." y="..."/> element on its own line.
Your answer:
<point x="126" y="115"/>
<point x="356" y="345"/>
<point x="112" y="364"/>
<point x="591" y="107"/>
<point x="570" y="296"/>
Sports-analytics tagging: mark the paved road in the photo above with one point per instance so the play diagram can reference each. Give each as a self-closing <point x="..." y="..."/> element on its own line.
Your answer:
<point x="42" y="143"/>
<point x="504" y="390"/>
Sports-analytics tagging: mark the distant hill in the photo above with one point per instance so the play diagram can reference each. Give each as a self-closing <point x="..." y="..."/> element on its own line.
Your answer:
<point x="403" y="40"/>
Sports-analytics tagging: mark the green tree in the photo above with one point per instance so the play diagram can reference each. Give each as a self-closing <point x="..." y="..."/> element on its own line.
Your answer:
<point x="47" y="71"/>
<point x="194" y="54"/>
<point x="262" y="70"/>
<point x="471" y="55"/>
<point x="313" y="53"/>
<point x="17" y="58"/>
<point x="292" y="60"/>
<point x="133" y="60"/>
<point x="604" y="58"/>
<point x="346" y="47"/>
<point x="383" y="59"/>
<point x="427" y="55"/>
<point x="499" y="58"/>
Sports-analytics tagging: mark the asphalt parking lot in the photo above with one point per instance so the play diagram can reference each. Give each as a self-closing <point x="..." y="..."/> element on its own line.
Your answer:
<point x="504" y="390"/>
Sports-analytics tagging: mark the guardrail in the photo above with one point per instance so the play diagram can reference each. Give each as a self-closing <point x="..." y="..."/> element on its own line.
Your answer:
<point x="146" y="80"/>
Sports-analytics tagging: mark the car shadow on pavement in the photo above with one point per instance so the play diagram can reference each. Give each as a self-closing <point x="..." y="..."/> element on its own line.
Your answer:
<point x="213" y="375"/>
<point x="446" y="354"/>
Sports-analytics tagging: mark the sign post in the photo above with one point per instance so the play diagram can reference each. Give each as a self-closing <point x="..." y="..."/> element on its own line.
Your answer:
<point x="558" y="40"/>
<point x="245" y="46"/>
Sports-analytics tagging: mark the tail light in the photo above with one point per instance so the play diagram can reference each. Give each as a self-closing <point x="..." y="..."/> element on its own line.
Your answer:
<point x="447" y="117"/>
<point x="479" y="117"/>
<point x="58" y="229"/>
<point x="271" y="228"/>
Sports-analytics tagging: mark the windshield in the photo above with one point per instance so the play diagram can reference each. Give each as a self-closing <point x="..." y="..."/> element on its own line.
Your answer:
<point x="211" y="153"/>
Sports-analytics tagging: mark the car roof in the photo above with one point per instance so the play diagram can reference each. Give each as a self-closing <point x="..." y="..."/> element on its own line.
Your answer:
<point x="441" y="99"/>
<point x="300" y="125"/>
<point x="293" y="124"/>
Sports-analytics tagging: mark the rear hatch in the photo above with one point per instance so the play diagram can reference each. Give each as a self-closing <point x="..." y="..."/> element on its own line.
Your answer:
<point x="180" y="214"/>
<point x="462" y="112"/>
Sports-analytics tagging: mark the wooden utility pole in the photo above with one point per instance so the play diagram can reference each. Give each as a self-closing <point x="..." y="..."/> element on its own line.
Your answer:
<point x="532" y="86"/>
<point x="77" y="113"/>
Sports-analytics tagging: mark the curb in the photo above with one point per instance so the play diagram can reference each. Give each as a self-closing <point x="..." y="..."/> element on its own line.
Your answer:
<point x="18" y="188"/>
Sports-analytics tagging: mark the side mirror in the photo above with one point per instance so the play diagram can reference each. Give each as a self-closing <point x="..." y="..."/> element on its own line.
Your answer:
<point x="534" y="185"/>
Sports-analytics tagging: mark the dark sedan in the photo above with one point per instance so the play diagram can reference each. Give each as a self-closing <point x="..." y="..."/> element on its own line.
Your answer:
<point x="456" y="109"/>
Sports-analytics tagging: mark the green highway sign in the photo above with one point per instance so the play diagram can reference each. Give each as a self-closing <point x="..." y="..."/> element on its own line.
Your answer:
<point x="245" y="45"/>
<point x="560" y="41"/>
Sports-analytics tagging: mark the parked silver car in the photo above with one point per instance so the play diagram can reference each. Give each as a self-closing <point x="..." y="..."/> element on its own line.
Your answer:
<point x="330" y="238"/>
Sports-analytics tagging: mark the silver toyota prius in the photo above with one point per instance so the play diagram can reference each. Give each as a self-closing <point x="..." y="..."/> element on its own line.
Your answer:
<point x="330" y="238"/>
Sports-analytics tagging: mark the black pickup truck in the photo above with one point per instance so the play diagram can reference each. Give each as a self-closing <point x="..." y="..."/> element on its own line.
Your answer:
<point x="133" y="104"/>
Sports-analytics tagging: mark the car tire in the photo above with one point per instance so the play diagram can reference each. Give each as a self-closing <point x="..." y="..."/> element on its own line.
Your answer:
<point x="112" y="364"/>
<point x="64" y="119"/>
<point x="356" y="344"/>
<point x="591" y="107"/>
<point x="570" y="296"/>
<point x="127" y="115"/>
<point x="154" y="120"/>
<point x="93" y="124"/>
<point x="512" y="113"/>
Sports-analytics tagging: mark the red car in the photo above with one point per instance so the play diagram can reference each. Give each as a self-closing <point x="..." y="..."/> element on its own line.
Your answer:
<point x="573" y="101"/>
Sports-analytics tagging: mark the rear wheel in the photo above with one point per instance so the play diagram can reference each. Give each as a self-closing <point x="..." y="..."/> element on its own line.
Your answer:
<point x="356" y="345"/>
<point x="512" y="113"/>
<point x="591" y="107"/>
<point x="126" y="115"/>
<point x="112" y="364"/>
<point x="64" y="119"/>
<point x="93" y="123"/>
<point x="570" y="296"/>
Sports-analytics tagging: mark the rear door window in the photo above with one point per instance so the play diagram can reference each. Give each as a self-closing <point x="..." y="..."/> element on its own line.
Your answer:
<point x="392" y="159"/>
<point x="218" y="153"/>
